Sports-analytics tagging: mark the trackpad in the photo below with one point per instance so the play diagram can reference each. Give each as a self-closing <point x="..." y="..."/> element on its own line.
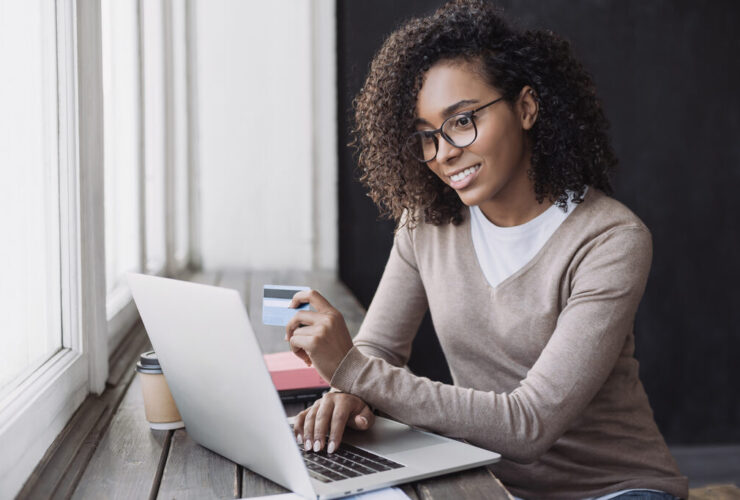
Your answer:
<point x="387" y="437"/>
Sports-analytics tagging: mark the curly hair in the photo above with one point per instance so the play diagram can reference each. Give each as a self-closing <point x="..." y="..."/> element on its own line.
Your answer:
<point x="569" y="140"/>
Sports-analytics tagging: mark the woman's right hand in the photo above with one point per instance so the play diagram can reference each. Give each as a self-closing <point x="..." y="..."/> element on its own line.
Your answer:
<point x="329" y="415"/>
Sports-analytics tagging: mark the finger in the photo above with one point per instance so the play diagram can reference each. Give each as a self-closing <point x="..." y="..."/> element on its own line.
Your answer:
<point x="306" y="330"/>
<point x="338" y="423"/>
<point x="308" y="424"/>
<point x="363" y="420"/>
<point x="298" y="426"/>
<point x="304" y="357"/>
<point x="301" y="354"/>
<point x="301" y="318"/>
<point x="296" y="347"/>
<point x="305" y="342"/>
<point x="321" y="426"/>
<point x="314" y="298"/>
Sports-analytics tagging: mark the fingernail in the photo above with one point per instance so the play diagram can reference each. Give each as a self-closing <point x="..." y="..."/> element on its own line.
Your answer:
<point x="363" y="420"/>
<point x="308" y="445"/>
<point x="299" y="439"/>
<point x="317" y="445"/>
<point x="330" y="449"/>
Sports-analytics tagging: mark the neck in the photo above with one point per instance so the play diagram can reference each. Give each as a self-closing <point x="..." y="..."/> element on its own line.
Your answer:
<point x="514" y="205"/>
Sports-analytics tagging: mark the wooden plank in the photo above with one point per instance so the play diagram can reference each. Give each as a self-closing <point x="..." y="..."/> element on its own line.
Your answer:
<point x="47" y="475"/>
<point x="57" y="474"/>
<point x="126" y="460"/>
<point x="112" y="398"/>
<point x="196" y="472"/>
<point x="254" y="485"/>
<point x="715" y="492"/>
<point x="473" y="483"/>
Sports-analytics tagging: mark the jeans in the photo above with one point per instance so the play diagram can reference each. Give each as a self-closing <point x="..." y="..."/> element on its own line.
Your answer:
<point x="644" y="495"/>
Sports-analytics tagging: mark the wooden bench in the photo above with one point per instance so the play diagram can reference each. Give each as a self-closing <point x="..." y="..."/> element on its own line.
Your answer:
<point x="108" y="450"/>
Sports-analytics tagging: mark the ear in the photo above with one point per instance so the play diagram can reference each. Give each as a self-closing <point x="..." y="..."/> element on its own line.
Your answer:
<point x="527" y="107"/>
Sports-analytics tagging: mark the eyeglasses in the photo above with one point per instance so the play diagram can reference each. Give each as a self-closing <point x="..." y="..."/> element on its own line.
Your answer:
<point x="459" y="130"/>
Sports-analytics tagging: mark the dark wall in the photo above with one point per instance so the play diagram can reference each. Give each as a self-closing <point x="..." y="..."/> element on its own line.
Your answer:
<point x="668" y="73"/>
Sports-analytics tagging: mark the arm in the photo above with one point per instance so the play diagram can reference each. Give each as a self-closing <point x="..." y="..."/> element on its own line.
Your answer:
<point x="388" y="330"/>
<point x="605" y="291"/>
<point x="386" y="333"/>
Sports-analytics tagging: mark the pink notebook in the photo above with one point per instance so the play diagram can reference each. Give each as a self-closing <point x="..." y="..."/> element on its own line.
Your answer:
<point x="289" y="372"/>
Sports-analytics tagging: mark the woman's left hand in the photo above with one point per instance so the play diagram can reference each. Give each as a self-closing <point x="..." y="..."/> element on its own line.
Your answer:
<point x="321" y="335"/>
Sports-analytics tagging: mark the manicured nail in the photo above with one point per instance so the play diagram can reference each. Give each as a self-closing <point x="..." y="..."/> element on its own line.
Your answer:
<point x="330" y="449"/>
<point x="308" y="445"/>
<point x="299" y="439"/>
<point x="317" y="445"/>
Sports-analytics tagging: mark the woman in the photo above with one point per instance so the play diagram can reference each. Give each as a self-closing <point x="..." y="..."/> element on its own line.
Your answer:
<point x="489" y="148"/>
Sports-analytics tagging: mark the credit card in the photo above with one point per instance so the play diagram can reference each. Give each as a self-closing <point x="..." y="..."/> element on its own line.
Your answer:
<point x="275" y="300"/>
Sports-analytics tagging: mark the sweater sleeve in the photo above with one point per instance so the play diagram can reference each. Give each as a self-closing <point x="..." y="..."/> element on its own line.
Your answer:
<point x="606" y="288"/>
<point x="397" y="308"/>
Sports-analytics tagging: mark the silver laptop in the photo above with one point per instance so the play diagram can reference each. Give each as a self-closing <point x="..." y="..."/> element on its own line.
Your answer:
<point x="215" y="370"/>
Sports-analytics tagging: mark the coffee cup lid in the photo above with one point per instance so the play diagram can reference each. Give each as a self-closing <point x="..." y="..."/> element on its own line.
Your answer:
<point x="148" y="363"/>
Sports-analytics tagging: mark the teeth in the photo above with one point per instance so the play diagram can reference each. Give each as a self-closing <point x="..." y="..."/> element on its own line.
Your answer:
<point x="460" y="176"/>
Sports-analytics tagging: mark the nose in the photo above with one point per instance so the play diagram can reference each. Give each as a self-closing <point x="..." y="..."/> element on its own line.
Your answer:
<point x="446" y="151"/>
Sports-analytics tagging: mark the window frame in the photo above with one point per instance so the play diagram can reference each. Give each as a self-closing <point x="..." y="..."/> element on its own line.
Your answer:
<point x="36" y="411"/>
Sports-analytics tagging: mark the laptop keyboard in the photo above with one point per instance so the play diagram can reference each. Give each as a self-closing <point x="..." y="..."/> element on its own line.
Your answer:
<point x="347" y="461"/>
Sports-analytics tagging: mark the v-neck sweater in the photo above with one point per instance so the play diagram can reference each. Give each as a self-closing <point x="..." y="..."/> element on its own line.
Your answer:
<point x="543" y="364"/>
<point x="501" y="251"/>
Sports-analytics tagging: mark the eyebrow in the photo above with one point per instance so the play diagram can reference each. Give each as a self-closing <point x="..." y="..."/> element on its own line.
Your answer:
<point x="449" y="110"/>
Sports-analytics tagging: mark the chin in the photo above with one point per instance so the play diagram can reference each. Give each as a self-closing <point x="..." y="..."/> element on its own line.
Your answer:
<point x="473" y="198"/>
<point x="468" y="202"/>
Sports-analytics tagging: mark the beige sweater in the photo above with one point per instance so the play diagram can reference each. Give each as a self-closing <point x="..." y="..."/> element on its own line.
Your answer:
<point x="543" y="364"/>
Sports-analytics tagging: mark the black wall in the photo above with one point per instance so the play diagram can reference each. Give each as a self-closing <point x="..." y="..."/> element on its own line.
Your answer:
<point x="668" y="73"/>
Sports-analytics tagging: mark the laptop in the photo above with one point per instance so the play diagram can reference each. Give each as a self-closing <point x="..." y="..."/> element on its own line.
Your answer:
<point x="223" y="390"/>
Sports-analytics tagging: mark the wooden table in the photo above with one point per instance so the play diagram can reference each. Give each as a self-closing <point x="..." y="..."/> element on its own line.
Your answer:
<point x="109" y="451"/>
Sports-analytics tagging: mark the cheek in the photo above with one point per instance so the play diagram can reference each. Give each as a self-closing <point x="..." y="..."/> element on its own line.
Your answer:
<point x="500" y="145"/>
<point x="435" y="169"/>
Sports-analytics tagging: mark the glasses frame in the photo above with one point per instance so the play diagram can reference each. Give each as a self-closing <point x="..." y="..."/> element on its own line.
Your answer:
<point x="468" y="114"/>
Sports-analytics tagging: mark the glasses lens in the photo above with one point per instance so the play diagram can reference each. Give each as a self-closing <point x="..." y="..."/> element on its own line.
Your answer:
<point x="422" y="145"/>
<point x="460" y="129"/>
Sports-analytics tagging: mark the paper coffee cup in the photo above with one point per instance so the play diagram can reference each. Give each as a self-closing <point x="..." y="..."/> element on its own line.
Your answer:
<point x="159" y="407"/>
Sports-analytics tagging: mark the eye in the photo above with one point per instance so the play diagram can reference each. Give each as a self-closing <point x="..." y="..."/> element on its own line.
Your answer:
<point x="462" y="121"/>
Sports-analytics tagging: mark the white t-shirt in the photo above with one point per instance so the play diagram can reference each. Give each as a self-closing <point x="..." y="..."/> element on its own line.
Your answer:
<point x="502" y="251"/>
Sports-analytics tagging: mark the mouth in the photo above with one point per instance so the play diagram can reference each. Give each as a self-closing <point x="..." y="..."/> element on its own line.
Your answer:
<point x="463" y="178"/>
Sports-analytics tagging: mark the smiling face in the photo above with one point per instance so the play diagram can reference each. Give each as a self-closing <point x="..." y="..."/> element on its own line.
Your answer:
<point x="492" y="171"/>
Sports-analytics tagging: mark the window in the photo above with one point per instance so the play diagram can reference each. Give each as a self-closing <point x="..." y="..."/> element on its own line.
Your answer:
<point x="80" y="209"/>
<point x="49" y="199"/>
<point x="123" y="151"/>
<point x="30" y="298"/>
<point x="179" y="152"/>
<point x="146" y="154"/>
<point x="154" y="95"/>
